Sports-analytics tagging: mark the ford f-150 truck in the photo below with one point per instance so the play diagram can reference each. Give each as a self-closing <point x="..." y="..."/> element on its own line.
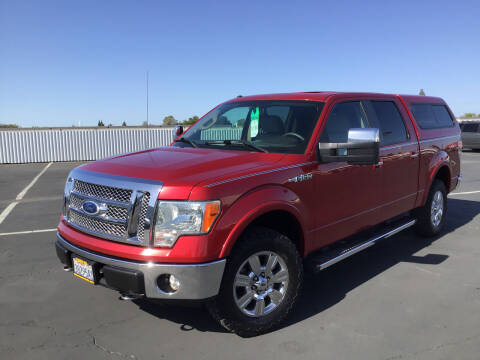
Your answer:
<point x="258" y="189"/>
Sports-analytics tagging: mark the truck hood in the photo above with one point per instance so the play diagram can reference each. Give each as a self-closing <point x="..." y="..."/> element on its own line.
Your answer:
<point x="180" y="169"/>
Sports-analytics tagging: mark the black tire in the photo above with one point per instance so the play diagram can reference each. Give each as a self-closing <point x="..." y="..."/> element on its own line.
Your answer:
<point x="224" y="308"/>
<point x="426" y="225"/>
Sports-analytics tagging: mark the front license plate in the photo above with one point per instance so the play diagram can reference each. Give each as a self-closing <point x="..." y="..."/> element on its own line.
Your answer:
<point x="83" y="270"/>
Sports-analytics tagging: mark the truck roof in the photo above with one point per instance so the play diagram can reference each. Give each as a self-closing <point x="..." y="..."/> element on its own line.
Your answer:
<point x="324" y="95"/>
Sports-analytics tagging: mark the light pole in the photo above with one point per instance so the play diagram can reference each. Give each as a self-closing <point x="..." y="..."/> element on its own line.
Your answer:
<point x="147" y="98"/>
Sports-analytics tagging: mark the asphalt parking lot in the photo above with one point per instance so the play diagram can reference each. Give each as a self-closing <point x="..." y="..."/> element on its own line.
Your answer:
<point x="406" y="298"/>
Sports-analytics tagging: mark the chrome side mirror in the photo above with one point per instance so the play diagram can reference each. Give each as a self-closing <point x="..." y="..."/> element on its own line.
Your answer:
<point x="363" y="135"/>
<point x="177" y="131"/>
<point x="362" y="148"/>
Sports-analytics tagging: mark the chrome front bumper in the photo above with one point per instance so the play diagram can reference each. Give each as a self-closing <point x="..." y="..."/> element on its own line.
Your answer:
<point x="197" y="281"/>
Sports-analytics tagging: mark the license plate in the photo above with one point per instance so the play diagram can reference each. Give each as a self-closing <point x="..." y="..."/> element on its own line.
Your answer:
<point x="83" y="270"/>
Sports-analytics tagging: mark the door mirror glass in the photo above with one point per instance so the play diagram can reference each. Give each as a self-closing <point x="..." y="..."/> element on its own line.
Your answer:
<point x="362" y="148"/>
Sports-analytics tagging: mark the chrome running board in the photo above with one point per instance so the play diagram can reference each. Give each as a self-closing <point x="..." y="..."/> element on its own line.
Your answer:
<point x="324" y="261"/>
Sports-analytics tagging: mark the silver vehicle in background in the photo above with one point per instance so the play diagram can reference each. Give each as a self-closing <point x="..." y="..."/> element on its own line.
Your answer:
<point x="471" y="134"/>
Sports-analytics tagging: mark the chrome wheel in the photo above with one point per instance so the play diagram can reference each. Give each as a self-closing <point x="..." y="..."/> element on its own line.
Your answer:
<point x="436" y="212"/>
<point x="260" y="284"/>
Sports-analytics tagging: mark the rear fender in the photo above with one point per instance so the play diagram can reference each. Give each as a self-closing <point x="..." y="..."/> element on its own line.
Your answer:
<point x="439" y="160"/>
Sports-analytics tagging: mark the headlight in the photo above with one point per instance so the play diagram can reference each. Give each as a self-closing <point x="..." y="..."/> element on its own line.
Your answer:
<point x="177" y="218"/>
<point x="66" y="195"/>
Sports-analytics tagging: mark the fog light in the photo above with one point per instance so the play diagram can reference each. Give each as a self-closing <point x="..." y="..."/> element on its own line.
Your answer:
<point x="174" y="283"/>
<point x="168" y="283"/>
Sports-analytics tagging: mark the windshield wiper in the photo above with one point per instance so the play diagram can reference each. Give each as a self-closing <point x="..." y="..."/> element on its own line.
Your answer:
<point x="236" y="143"/>
<point x="187" y="141"/>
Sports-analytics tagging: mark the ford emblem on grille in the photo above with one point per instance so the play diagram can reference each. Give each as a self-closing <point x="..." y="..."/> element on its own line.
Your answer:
<point x="91" y="207"/>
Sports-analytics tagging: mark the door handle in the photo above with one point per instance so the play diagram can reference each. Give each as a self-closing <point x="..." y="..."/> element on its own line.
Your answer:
<point x="379" y="164"/>
<point x="413" y="155"/>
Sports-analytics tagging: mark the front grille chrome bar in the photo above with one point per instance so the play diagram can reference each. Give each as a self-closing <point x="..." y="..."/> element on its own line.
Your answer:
<point x="107" y="201"/>
<point x="122" y="218"/>
<point x="134" y="212"/>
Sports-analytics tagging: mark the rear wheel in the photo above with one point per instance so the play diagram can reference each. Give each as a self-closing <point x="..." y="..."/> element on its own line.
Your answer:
<point x="261" y="283"/>
<point x="431" y="217"/>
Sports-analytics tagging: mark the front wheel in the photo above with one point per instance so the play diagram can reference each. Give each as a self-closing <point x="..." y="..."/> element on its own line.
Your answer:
<point x="261" y="283"/>
<point x="431" y="217"/>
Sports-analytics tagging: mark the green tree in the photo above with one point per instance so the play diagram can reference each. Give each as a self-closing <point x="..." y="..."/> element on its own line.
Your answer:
<point x="169" y="120"/>
<point x="469" y="115"/>
<point x="191" y="120"/>
<point x="100" y="123"/>
<point x="421" y="92"/>
<point x="124" y="123"/>
<point x="10" y="126"/>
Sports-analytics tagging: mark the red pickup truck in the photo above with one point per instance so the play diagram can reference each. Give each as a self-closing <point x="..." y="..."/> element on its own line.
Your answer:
<point x="259" y="188"/>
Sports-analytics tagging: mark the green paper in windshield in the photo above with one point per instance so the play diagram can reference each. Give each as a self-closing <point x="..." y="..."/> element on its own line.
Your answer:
<point x="254" y="118"/>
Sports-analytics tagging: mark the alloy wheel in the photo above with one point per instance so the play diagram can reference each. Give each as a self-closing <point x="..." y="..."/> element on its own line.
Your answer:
<point x="436" y="212"/>
<point x="260" y="284"/>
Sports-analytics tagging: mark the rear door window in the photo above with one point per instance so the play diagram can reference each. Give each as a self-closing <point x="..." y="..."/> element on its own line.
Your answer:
<point x="430" y="116"/>
<point x="442" y="116"/>
<point x="390" y="122"/>
<point x="343" y="117"/>
<point x="424" y="115"/>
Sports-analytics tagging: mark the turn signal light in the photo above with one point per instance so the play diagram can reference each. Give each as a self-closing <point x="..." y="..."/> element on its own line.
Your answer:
<point x="212" y="209"/>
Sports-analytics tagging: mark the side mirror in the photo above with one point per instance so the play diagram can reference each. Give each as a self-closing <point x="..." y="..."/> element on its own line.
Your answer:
<point x="177" y="131"/>
<point x="362" y="148"/>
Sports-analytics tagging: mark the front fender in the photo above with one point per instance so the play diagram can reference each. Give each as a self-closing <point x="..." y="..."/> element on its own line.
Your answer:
<point x="254" y="204"/>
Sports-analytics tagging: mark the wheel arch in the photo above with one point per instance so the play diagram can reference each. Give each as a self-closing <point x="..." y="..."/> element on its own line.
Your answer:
<point x="444" y="174"/>
<point x="274" y="208"/>
<point x="285" y="223"/>
<point x="441" y="172"/>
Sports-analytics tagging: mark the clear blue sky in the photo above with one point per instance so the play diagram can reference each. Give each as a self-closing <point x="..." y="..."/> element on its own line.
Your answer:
<point x="64" y="62"/>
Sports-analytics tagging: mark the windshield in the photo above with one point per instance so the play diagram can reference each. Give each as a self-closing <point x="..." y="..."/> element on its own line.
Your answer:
<point x="270" y="126"/>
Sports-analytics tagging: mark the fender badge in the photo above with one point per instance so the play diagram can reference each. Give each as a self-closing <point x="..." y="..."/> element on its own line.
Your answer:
<point x="302" y="177"/>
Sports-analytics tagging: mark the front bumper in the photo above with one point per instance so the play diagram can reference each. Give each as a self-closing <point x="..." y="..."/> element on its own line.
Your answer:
<point x="197" y="281"/>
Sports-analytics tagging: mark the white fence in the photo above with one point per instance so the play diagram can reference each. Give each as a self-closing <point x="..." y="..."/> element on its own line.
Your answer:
<point x="28" y="146"/>
<point x="25" y="146"/>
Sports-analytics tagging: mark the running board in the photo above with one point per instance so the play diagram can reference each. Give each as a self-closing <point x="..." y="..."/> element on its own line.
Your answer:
<point x="332" y="257"/>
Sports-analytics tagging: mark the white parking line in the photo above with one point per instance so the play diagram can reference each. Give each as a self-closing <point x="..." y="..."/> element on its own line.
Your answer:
<point x="21" y="194"/>
<point x="465" y="193"/>
<point x="27" y="232"/>
<point x="7" y="210"/>
<point x="24" y="191"/>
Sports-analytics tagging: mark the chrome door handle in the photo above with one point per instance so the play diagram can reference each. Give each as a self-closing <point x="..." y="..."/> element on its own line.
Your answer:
<point x="413" y="155"/>
<point x="379" y="164"/>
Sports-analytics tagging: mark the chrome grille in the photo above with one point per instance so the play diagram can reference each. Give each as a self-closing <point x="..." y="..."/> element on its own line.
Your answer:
<point x="102" y="192"/>
<point x="113" y="212"/>
<point x="143" y="215"/>
<point x="99" y="226"/>
<point x="118" y="211"/>
<point x="76" y="202"/>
